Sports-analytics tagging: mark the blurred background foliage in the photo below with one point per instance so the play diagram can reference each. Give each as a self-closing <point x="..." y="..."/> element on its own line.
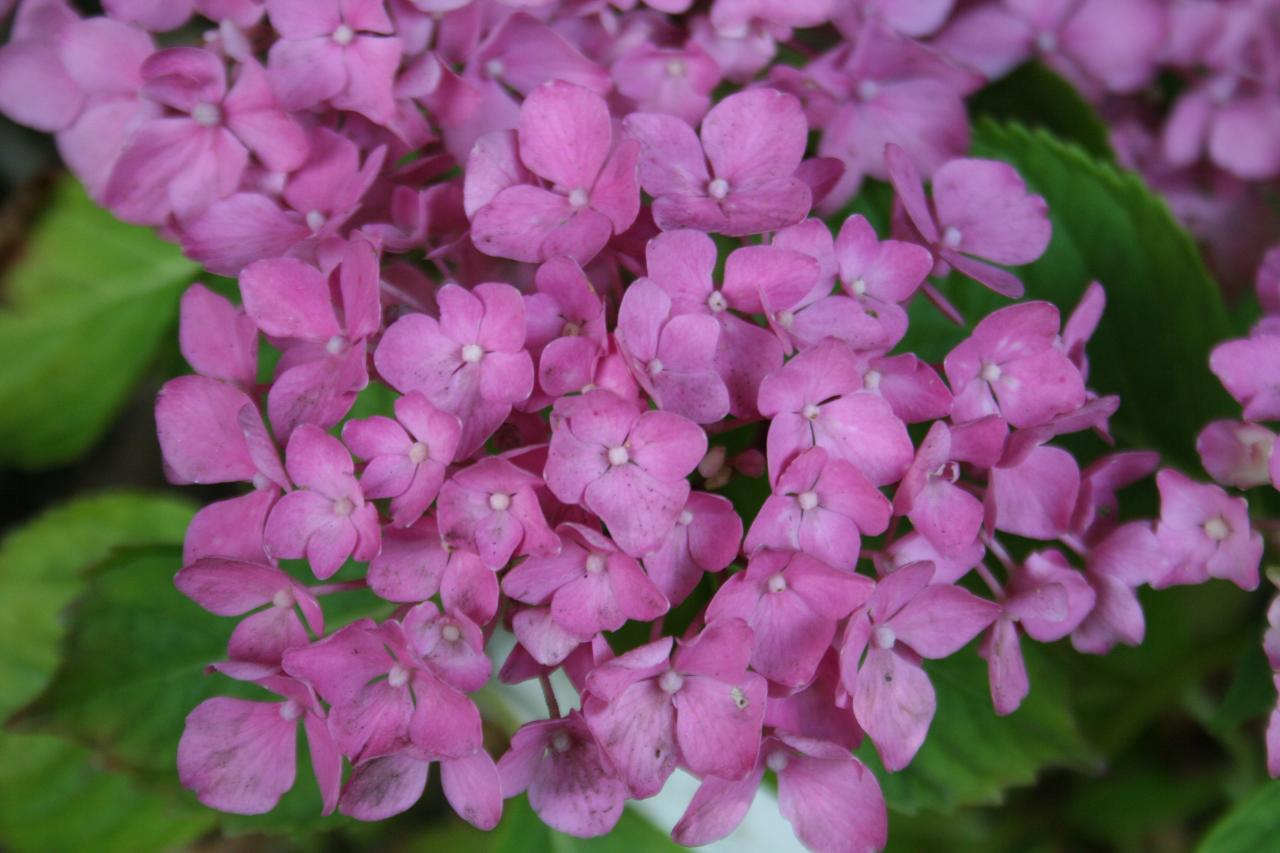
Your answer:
<point x="1151" y="749"/>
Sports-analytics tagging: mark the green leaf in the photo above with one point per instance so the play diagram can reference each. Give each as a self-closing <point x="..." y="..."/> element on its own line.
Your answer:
<point x="972" y="756"/>
<point x="1039" y="98"/>
<point x="53" y="795"/>
<point x="1164" y="313"/>
<point x="133" y="668"/>
<point x="41" y="572"/>
<point x="88" y="305"/>
<point x="1251" y="827"/>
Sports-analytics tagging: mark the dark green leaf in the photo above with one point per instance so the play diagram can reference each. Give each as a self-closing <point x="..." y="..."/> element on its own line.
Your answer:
<point x="1251" y="827"/>
<point x="88" y="305"/>
<point x="971" y="756"/>
<point x="1038" y="97"/>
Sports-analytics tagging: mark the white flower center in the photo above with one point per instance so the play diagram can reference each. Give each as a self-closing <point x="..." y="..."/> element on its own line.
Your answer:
<point x="451" y="633"/>
<point x="560" y="741"/>
<point x="472" y="353"/>
<point x="811" y="412"/>
<point x="290" y="710"/>
<point x="718" y="188"/>
<point x="343" y="507"/>
<point x="777" y="583"/>
<point x="283" y="598"/>
<point x="671" y="681"/>
<point x="685" y="518"/>
<point x="344" y="35"/>
<point x="868" y="89"/>
<point x="716" y="302"/>
<point x="883" y="637"/>
<point x="808" y="500"/>
<point x="619" y="456"/>
<point x="858" y="286"/>
<point x="1216" y="528"/>
<point x="397" y="676"/>
<point x="316" y="220"/>
<point x="948" y="471"/>
<point x="335" y="345"/>
<point x="206" y="114"/>
<point x="571" y="329"/>
<point x="739" y="698"/>
<point x="785" y="319"/>
<point x="871" y="380"/>
<point x="951" y="237"/>
<point x="494" y="68"/>
<point x="418" y="453"/>
<point x="654" y="367"/>
<point x="578" y="198"/>
<point x="1047" y="42"/>
<point x="675" y="68"/>
<point x="990" y="372"/>
<point x="499" y="501"/>
<point x="777" y="761"/>
<point x="595" y="564"/>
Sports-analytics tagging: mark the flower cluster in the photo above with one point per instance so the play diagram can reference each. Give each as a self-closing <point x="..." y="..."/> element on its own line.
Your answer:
<point x="501" y="214"/>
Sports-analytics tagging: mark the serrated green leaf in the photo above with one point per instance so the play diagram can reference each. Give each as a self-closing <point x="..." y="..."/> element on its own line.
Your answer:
<point x="1251" y="827"/>
<point x="52" y="794"/>
<point x="88" y="304"/>
<point x="971" y="756"/>
<point x="1164" y="312"/>
<point x="1038" y="97"/>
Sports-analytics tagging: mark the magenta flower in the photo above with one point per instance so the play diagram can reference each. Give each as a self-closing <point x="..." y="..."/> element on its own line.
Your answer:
<point x="415" y="564"/>
<point x="1011" y="366"/>
<point x="490" y="508"/>
<point x="912" y="388"/>
<point x="1247" y="368"/>
<point x="832" y="801"/>
<point x="682" y="263"/>
<point x="740" y="178"/>
<point x="1126" y="558"/>
<point x="323" y="365"/>
<point x="672" y="356"/>
<point x="211" y="432"/>
<point x="566" y="327"/>
<point x="565" y="138"/>
<point x="817" y="399"/>
<point x="1036" y="497"/>
<point x="675" y="81"/>
<point x="590" y="585"/>
<point x="339" y="51"/>
<point x="700" y="709"/>
<point x="792" y="602"/>
<point x="384" y="787"/>
<point x="572" y="785"/>
<point x="185" y="160"/>
<point x="981" y="212"/>
<point x="880" y="275"/>
<point x="1047" y="599"/>
<point x="1111" y="44"/>
<point x="891" y="90"/>
<point x="820" y="506"/>
<point x="942" y="511"/>
<point x="1205" y="533"/>
<point x="905" y="620"/>
<point x="326" y="520"/>
<point x="240" y="756"/>
<point x="470" y="363"/>
<point x="217" y="339"/>
<point x="626" y="466"/>
<point x="233" y="588"/>
<point x="705" y="538"/>
<point x="406" y="456"/>
<point x="385" y="696"/>
<point x="1238" y="454"/>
